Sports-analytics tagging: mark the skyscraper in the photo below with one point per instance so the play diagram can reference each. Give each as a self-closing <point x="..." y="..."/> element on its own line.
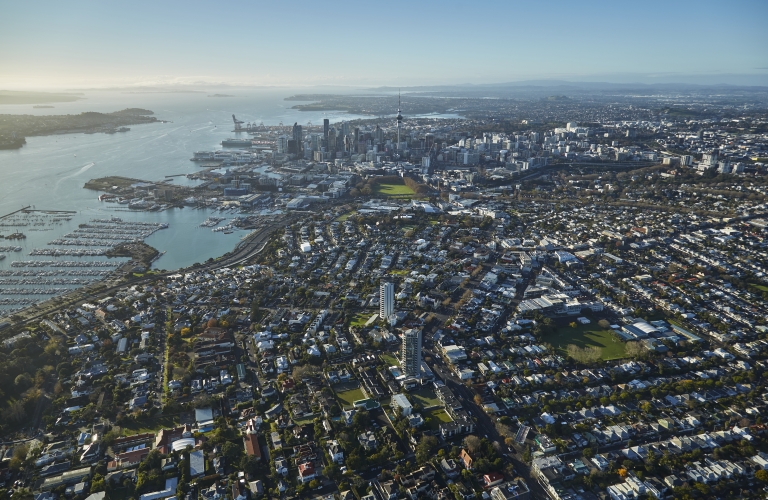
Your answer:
<point x="386" y="299"/>
<point x="378" y="136"/>
<point x="410" y="358"/>
<point x="282" y="144"/>
<point x="326" y="127"/>
<point x="331" y="138"/>
<point x="297" y="136"/>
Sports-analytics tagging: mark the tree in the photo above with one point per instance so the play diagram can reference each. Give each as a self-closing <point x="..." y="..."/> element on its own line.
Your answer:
<point x="425" y="449"/>
<point x="231" y="451"/>
<point x="23" y="382"/>
<point x="478" y="399"/>
<point x="587" y="355"/>
<point x="472" y="443"/>
<point x="762" y="475"/>
<point x="635" y="349"/>
<point x="572" y="324"/>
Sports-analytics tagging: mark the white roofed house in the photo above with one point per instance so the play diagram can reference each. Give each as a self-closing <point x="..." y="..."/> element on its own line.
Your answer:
<point x="335" y="451"/>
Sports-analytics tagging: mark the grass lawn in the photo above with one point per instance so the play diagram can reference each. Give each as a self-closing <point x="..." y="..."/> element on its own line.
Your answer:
<point x="762" y="288"/>
<point x="149" y="425"/>
<point x="588" y="335"/>
<point x="393" y="190"/>
<point x="434" y="418"/>
<point x="360" y="319"/>
<point x="305" y="421"/>
<point x="390" y="360"/>
<point x="346" y="216"/>
<point x="425" y="397"/>
<point x="348" y="393"/>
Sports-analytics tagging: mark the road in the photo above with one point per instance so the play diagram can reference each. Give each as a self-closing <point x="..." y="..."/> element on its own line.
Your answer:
<point x="484" y="424"/>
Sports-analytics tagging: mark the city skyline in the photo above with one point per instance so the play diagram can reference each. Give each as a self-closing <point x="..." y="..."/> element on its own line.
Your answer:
<point x="86" y="44"/>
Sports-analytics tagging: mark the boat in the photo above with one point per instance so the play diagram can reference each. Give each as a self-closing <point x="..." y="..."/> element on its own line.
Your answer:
<point x="236" y="143"/>
<point x="2" y="256"/>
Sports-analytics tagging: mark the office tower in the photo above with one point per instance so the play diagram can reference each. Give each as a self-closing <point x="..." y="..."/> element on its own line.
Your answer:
<point x="331" y="139"/>
<point x="709" y="159"/>
<point x="357" y="136"/>
<point x="429" y="141"/>
<point x="344" y="129"/>
<point x="282" y="144"/>
<point x="386" y="300"/>
<point x="326" y="127"/>
<point x="378" y="136"/>
<point x="410" y="358"/>
<point x="297" y="136"/>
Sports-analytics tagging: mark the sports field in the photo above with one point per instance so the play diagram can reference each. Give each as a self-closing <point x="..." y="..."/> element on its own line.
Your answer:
<point x="393" y="190"/>
<point x="587" y="335"/>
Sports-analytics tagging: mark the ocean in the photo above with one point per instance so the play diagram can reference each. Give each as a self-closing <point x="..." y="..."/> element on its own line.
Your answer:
<point x="49" y="172"/>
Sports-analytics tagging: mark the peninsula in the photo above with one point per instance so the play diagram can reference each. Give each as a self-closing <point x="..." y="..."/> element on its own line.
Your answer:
<point x="14" y="128"/>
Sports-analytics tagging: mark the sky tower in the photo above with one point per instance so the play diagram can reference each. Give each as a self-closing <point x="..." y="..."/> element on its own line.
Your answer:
<point x="399" y="119"/>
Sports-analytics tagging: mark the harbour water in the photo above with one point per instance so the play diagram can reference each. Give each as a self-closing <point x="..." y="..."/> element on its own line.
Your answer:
<point x="49" y="172"/>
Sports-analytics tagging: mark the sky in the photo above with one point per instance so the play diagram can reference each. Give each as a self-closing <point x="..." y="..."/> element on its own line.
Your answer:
<point x="49" y="44"/>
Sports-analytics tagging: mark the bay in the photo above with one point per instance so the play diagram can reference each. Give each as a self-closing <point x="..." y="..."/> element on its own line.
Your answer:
<point x="49" y="172"/>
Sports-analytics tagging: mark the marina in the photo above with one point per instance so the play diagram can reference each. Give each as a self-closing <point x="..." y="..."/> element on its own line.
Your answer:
<point x="64" y="263"/>
<point x="212" y="221"/>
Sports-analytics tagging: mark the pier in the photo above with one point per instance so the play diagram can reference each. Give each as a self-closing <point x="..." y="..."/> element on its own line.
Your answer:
<point x="28" y="210"/>
<point x="16" y="211"/>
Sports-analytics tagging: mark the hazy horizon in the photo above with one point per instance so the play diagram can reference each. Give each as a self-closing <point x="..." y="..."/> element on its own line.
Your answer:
<point x="87" y="44"/>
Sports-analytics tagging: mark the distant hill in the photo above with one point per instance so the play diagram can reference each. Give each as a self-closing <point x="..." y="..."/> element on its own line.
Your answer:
<point x="24" y="97"/>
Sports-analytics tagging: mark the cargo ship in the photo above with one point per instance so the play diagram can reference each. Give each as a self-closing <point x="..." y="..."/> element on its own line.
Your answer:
<point x="236" y="143"/>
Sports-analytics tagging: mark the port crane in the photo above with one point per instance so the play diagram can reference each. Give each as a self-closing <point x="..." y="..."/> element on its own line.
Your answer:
<point x="238" y="123"/>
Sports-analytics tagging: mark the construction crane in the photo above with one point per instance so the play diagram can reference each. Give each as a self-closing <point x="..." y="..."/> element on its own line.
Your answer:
<point x="237" y="123"/>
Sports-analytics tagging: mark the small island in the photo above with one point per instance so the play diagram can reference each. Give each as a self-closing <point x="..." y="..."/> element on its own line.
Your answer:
<point x="220" y="95"/>
<point x="42" y="106"/>
<point x="14" y="128"/>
